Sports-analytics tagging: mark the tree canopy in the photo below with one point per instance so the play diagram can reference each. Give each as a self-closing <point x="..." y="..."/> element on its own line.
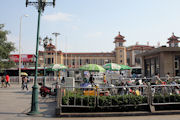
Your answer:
<point x="6" y="48"/>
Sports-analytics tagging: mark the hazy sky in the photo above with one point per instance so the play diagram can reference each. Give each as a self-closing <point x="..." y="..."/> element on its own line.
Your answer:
<point x="91" y="25"/>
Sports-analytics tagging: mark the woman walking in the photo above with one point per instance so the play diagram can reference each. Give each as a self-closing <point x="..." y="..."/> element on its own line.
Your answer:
<point x="2" y="81"/>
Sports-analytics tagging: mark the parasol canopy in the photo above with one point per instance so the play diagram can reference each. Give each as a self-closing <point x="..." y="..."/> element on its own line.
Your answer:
<point x="92" y="68"/>
<point x="112" y="66"/>
<point x="56" y="67"/>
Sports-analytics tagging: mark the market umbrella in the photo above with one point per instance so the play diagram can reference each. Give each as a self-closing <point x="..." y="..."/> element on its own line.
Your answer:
<point x="125" y="67"/>
<point x="24" y="74"/>
<point x="112" y="66"/>
<point x="56" y="67"/>
<point x="92" y="68"/>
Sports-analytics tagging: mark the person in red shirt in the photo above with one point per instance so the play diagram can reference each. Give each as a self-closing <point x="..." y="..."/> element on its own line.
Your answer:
<point x="7" y="80"/>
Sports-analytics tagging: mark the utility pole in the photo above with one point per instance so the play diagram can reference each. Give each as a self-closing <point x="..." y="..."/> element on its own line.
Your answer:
<point x="40" y="5"/>
<point x="20" y="27"/>
<point x="56" y="35"/>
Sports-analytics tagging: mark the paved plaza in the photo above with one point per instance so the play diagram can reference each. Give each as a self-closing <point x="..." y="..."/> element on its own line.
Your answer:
<point x="15" y="103"/>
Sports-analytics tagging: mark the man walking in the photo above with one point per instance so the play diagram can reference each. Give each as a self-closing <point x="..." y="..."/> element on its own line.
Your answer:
<point x="7" y="80"/>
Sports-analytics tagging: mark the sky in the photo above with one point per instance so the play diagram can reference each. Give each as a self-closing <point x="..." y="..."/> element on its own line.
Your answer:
<point x="91" y="25"/>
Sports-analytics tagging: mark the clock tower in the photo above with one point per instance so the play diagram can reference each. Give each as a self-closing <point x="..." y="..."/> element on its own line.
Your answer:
<point x="120" y="50"/>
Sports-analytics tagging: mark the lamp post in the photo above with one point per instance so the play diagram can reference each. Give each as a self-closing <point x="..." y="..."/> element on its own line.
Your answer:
<point x="56" y="34"/>
<point x="40" y="5"/>
<point x="20" y="46"/>
<point x="44" y="44"/>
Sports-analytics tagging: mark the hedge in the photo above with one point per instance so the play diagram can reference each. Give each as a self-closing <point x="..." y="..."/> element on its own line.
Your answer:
<point x="118" y="100"/>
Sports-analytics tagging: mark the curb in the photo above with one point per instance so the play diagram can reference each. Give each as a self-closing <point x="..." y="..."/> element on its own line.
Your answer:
<point x="118" y="114"/>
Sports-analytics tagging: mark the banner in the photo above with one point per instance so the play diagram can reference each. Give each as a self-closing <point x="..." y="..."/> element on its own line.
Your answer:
<point x="24" y="58"/>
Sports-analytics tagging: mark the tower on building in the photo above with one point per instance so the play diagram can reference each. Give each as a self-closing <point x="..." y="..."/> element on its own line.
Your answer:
<point x="173" y="41"/>
<point x="120" y="50"/>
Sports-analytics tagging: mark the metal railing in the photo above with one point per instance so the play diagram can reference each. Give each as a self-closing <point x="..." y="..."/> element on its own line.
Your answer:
<point x="118" y="96"/>
<point x="165" y="94"/>
<point x="49" y="79"/>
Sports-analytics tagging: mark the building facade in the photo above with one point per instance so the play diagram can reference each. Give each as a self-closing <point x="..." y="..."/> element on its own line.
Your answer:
<point x="75" y="60"/>
<point x="163" y="59"/>
<point x="133" y="59"/>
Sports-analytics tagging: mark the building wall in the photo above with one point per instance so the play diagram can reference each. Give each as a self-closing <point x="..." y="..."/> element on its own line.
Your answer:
<point x="75" y="60"/>
<point x="121" y="55"/>
<point x="166" y="61"/>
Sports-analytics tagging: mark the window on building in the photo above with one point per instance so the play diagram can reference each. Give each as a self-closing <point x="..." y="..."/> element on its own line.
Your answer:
<point x="49" y="61"/>
<point x="121" y="61"/>
<point x="67" y="62"/>
<point x="177" y="65"/>
<point x="52" y="60"/>
<point x="73" y="61"/>
<point x="120" y="44"/>
<point x="176" y="44"/>
<point x="120" y="50"/>
<point x="151" y="66"/>
<point x="120" y="56"/>
<point x="128" y="61"/>
<point x="157" y="66"/>
<point x="87" y="61"/>
<point x="137" y="61"/>
<point x="80" y="62"/>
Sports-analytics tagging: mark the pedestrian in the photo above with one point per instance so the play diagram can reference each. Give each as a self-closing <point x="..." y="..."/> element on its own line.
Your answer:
<point x="91" y="79"/>
<point x="104" y="78"/>
<point x="7" y="80"/>
<point x="156" y="79"/>
<point x="2" y="81"/>
<point x="25" y="82"/>
<point x="134" y="75"/>
<point x="168" y="78"/>
<point x="63" y="80"/>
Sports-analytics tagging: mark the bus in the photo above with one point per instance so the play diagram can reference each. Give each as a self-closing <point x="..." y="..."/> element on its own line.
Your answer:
<point x="137" y="71"/>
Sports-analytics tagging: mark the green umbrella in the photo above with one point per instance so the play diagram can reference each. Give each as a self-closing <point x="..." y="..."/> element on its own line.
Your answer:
<point x="125" y="67"/>
<point x="56" y="67"/>
<point x="112" y="66"/>
<point x="92" y="68"/>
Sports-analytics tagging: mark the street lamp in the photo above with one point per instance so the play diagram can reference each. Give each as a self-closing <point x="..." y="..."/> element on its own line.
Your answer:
<point x="44" y="44"/>
<point x="40" y="5"/>
<point x="56" y="34"/>
<point x="20" y="45"/>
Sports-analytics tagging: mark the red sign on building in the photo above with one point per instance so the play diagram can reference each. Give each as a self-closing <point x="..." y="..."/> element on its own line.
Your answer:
<point x="24" y="58"/>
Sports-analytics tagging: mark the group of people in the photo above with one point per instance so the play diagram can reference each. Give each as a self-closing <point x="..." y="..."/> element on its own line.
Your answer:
<point x="156" y="79"/>
<point x="5" y="81"/>
<point x="91" y="79"/>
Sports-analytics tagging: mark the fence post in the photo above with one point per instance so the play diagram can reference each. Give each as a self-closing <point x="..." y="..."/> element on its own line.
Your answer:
<point x="151" y="107"/>
<point x="97" y="97"/>
<point x="58" y="100"/>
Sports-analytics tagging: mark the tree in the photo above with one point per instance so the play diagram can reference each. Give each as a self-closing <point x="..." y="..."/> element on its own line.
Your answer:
<point x="5" y="49"/>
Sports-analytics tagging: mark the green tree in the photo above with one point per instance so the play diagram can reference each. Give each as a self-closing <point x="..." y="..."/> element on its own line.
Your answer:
<point x="6" y="48"/>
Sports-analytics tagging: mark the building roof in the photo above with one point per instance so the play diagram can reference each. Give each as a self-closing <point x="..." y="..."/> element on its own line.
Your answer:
<point x="91" y="54"/>
<point x="52" y="51"/>
<point x="140" y="47"/>
<point x="50" y="46"/>
<point x="173" y="38"/>
<point x="160" y="49"/>
<point x="119" y="38"/>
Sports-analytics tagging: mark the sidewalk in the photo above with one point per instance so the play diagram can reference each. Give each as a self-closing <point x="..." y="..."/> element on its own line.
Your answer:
<point x="15" y="103"/>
